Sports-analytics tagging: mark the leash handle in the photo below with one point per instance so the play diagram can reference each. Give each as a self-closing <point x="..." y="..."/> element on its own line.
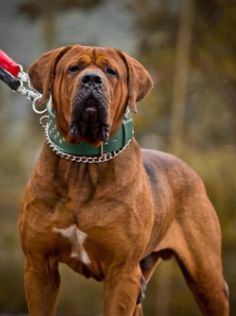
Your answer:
<point x="9" y="65"/>
<point x="11" y="81"/>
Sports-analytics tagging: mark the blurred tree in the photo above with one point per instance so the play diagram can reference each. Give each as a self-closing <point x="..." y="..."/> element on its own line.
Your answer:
<point x="215" y="45"/>
<point x="181" y="74"/>
<point x="47" y="12"/>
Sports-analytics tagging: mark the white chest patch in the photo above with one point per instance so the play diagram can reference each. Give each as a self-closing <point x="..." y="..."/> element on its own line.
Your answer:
<point x="77" y="239"/>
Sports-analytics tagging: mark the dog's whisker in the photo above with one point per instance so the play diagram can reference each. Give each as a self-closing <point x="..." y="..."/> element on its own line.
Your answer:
<point x="105" y="133"/>
<point x="74" y="130"/>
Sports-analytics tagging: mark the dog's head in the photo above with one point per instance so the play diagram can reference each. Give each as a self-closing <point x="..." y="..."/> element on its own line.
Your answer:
<point x="90" y="88"/>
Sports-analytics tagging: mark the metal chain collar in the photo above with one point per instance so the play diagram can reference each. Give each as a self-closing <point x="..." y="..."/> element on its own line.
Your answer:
<point x="85" y="159"/>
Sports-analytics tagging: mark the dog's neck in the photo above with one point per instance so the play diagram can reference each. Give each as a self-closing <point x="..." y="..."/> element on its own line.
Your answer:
<point x="63" y="176"/>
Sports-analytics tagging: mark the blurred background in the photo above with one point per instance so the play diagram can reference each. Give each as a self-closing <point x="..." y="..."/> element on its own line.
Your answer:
<point x="189" y="47"/>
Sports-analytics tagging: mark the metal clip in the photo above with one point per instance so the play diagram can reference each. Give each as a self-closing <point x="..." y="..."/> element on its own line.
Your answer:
<point x="23" y="75"/>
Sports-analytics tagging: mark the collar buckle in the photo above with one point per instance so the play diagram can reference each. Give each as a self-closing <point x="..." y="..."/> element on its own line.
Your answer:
<point x="101" y="149"/>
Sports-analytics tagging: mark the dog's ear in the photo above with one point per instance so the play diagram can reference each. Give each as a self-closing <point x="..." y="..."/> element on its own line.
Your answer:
<point x="139" y="81"/>
<point x="42" y="72"/>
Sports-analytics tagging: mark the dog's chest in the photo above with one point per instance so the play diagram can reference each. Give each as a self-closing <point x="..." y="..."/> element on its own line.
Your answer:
<point x="76" y="238"/>
<point x="86" y="237"/>
<point x="92" y="237"/>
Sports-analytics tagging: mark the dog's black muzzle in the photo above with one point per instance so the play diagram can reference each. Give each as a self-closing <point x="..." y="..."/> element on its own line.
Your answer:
<point x="90" y="110"/>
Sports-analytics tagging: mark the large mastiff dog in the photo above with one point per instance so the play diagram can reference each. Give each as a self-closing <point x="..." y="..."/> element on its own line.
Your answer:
<point x="113" y="220"/>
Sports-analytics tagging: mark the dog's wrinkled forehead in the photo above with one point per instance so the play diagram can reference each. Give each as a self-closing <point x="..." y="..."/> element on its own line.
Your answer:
<point x="85" y="56"/>
<point x="129" y="71"/>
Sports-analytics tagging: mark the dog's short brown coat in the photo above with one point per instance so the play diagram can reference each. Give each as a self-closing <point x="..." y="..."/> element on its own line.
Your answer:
<point x="114" y="221"/>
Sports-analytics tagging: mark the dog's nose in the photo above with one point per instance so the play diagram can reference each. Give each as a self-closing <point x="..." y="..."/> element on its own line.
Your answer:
<point x="91" y="78"/>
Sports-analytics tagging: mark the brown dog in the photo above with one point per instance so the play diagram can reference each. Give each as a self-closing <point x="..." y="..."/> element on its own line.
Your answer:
<point x="115" y="220"/>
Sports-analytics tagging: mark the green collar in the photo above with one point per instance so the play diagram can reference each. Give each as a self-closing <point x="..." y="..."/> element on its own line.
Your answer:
<point x="84" y="152"/>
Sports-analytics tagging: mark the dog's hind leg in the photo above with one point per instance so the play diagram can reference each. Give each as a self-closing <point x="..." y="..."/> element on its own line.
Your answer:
<point x="204" y="276"/>
<point x="196" y="242"/>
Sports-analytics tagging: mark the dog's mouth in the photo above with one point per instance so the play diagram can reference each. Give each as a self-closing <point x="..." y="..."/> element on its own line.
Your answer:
<point x="89" y="122"/>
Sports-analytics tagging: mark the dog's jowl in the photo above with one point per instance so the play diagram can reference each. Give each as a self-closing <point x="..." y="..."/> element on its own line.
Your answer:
<point x="99" y="203"/>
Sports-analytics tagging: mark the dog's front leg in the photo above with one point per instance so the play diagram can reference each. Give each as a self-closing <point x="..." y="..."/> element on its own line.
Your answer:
<point x="121" y="291"/>
<point x="41" y="285"/>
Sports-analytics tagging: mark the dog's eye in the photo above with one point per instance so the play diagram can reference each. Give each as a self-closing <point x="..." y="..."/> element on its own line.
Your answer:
<point x="110" y="71"/>
<point x="74" y="68"/>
